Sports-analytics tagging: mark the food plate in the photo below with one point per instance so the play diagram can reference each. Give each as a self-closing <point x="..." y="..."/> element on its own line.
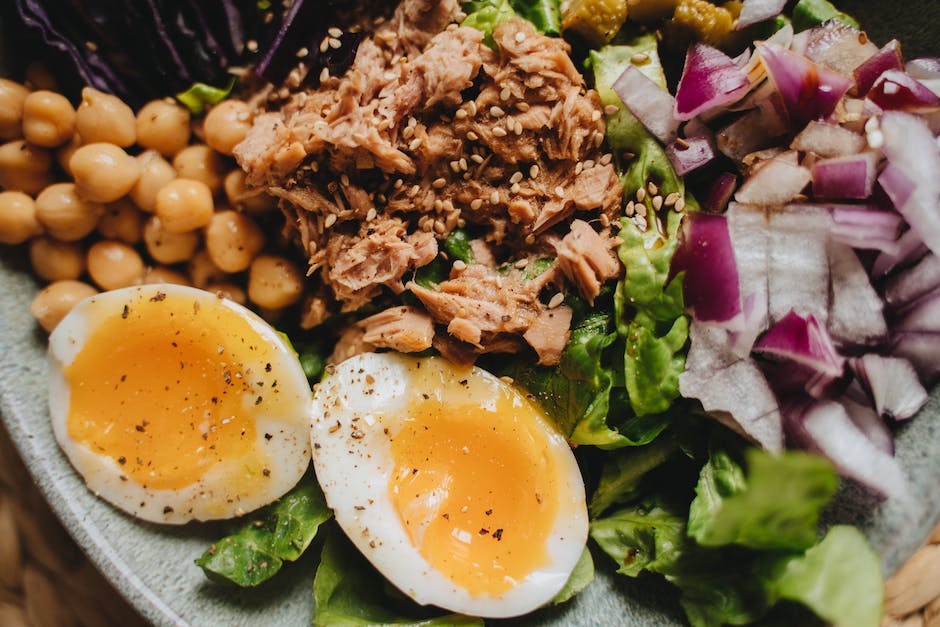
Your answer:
<point x="152" y="565"/>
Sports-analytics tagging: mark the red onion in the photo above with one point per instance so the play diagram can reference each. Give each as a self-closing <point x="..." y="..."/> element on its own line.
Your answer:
<point x="856" y="311"/>
<point x="858" y="407"/>
<point x="845" y="177"/>
<point x="911" y="147"/>
<point x="651" y="104"/>
<point x="775" y="183"/>
<point x="802" y="340"/>
<point x="757" y="128"/>
<point x="798" y="261"/>
<point x="809" y="91"/>
<point x="690" y="153"/>
<point x="754" y="11"/>
<point x="922" y="316"/>
<point x="828" y="140"/>
<point x="922" y="350"/>
<point x="838" y="46"/>
<point x="910" y="249"/>
<point x="893" y="385"/>
<point x="888" y="58"/>
<point x="898" y="91"/>
<point x="896" y="184"/>
<point x="710" y="79"/>
<point x="907" y="286"/>
<point x="719" y="192"/>
<point x="867" y="228"/>
<point x="710" y="287"/>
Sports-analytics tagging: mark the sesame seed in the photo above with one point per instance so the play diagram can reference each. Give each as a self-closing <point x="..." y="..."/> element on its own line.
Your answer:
<point x="630" y="209"/>
<point x="252" y="45"/>
<point x="414" y="190"/>
<point x="579" y="166"/>
<point x="559" y="191"/>
<point x="330" y="220"/>
<point x="641" y="209"/>
<point x="438" y="204"/>
<point x="415" y="144"/>
<point x="325" y="44"/>
<point x="522" y="263"/>
<point x="302" y="52"/>
<point x="460" y="114"/>
<point x="640" y="194"/>
<point x="522" y="106"/>
<point x="439" y="226"/>
<point x="611" y="109"/>
<point x="344" y="179"/>
<point x="534" y="171"/>
<point x="516" y="177"/>
<point x="605" y="220"/>
<point x="588" y="164"/>
<point x="530" y="239"/>
<point x="472" y="136"/>
<point x="517" y="129"/>
<point x="499" y="131"/>
<point x="652" y="189"/>
<point x="455" y="166"/>
<point x="556" y="300"/>
<point x="473" y="108"/>
<point x="494" y="197"/>
<point x="520" y="37"/>
<point x="497" y="111"/>
<point x="333" y="31"/>
<point x="598" y="139"/>
<point x="335" y="43"/>
<point x="460" y="265"/>
<point x="325" y="75"/>
<point x="671" y="199"/>
<point x="657" y="202"/>
<point x="476" y="203"/>
<point x="462" y="163"/>
<point x="639" y="58"/>
<point x="515" y="188"/>
<point x="505" y="94"/>
<point x="398" y="183"/>
<point x="408" y="133"/>
<point x="371" y="214"/>
<point x="606" y="158"/>
<point x="680" y="204"/>
<point x="681" y="143"/>
<point x="476" y="158"/>
<point x="439" y="183"/>
<point x="595" y="115"/>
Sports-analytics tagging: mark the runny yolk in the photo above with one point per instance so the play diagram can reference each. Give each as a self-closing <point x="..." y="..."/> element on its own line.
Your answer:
<point x="162" y="387"/>
<point x="476" y="489"/>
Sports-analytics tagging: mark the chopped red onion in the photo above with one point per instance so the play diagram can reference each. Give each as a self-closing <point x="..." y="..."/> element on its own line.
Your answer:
<point x="747" y="228"/>
<point x="858" y="407"/>
<point x="893" y="385"/>
<point x="898" y="91"/>
<point x="803" y="341"/>
<point x="775" y="183"/>
<point x="754" y="11"/>
<point x="719" y="192"/>
<point x="922" y="350"/>
<point x="922" y="316"/>
<point x="896" y="184"/>
<point x="757" y="128"/>
<point x="845" y="177"/>
<point x="856" y="312"/>
<point x="926" y="67"/>
<point x="911" y="147"/>
<point x="907" y="286"/>
<point x="690" y="153"/>
<point x="652" y="105"/>
<point x="827" y="428"/>
<point x="828" y="140"/>
<point x="798" y="275"/>
<point x="910" y="249"/>
<point x="710" y="288"/>
<point x="839" y="47"/>
<point x="710" y="79"/>
<point x="868" y="228"/>
<point x="809" y="91"/>
<point x="888" y="58"/>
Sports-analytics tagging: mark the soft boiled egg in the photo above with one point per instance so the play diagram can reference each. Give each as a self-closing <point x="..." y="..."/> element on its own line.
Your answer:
<point x="450" y="481"/>
<point x="175" y="404"/>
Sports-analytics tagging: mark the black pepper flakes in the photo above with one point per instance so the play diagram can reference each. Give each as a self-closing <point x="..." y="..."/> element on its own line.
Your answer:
<point x="167" y="510"/>
<point x="498" y="534"/>
<point x="125" y="312"/>
<point x="484" y="531"/>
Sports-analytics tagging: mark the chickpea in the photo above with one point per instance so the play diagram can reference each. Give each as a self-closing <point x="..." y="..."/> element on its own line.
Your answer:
<point x="202" y="271"/>
<point x="200" y="163"/>
<point x="155" y="172"/>
<point x="105" y="118"/>
<point x="229" y="291"/>
<point x="122" y="221"/>
<point x="48" y="119"/>
<point x="18" y="221"/>
<point x="166" y="247"/>
<point x="274" y="282"/>
<point x="163" y="126"/>
<point x="24" y="167"/>
<point x="103" y="172"/>
<point x="66" y="215"/>
<point x="63" y="153"/>
<point x="226" y="125"/>
<point x="244" y="198"/>
<point x="162" y="274"/>
<point x="54" y="260"/>
<point x="38" y="76"/>
<point x="184" y="205"/>
<point x="112" y="265"/>
<point x="233" y="240"/>
<point x="56" y="300"/>
<point x="12" y="97"/>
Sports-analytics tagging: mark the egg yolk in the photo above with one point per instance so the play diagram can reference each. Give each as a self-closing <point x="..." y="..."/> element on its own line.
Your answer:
<point x="165" y="387"/>
<point x="476" y="490"/>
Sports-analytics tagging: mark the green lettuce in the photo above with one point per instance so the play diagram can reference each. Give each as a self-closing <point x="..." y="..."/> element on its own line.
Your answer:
<point x="545" y="15"/>
<point x="769" y="502"/>
<point x="485" y="15"/>
<point x="348" y="591"/>
<point x="624" y="470"/>
<point x="276" y="534"/>
<point x="580" y="577"/>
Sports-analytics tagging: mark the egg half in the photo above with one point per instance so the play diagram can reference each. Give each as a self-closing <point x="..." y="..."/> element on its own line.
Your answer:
<point x="450" y="481"/>
<point x="175" y="404"/>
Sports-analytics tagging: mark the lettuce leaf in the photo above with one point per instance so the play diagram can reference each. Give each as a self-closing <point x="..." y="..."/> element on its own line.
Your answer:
<point x="624" y="469"/>
<point x="348" y="591"/>
<point x="278" y="533"/>
<point x="769" y="502"/>
<point x="580" y="577"/>
<point x="653" y="363"/>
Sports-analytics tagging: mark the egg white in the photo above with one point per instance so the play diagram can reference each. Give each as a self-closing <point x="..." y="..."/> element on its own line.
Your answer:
<point x="353" y="462"/>
<point x="219" y="492"/>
